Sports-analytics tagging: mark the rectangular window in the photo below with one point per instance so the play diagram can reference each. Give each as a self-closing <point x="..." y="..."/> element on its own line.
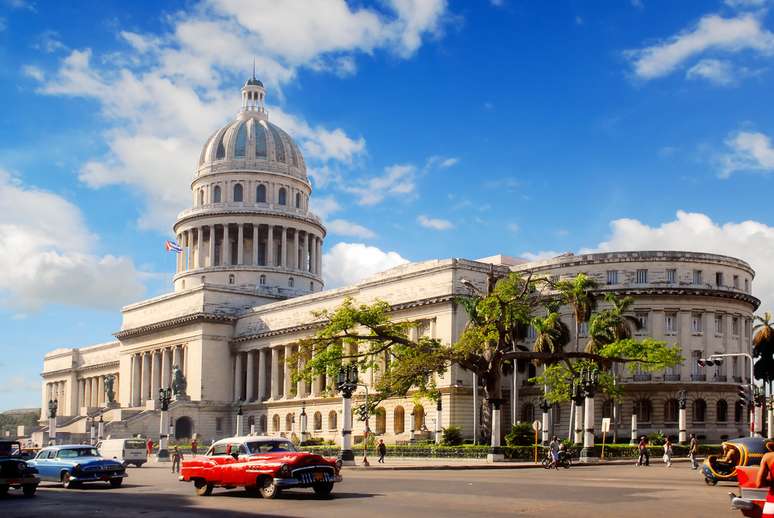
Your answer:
<point x="642" y="276"/>
<point x="671" y="276"/>
<point x="218" y="424"/>
<point x="612" y="276"/>
<point x="697" y="277"/>
<point x="736" y="281"/>
<point x="735" y="326"/>
<point x="583" y="329"/>
<point x="670" y="323"/>
<point x="696" y="323"/>
<point x="735" y="367"/>
<point x="718" y="324"/>
<point x="696" y="369"/>
<point x="642" y="318"/>
<point x="747" y="285"/>
<point x="719" y="279"/>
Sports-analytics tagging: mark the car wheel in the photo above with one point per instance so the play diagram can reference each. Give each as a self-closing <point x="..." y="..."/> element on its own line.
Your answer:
<point x="268" y="489"/>
<point x="3" y="490"/>
<point x="323" y="488"/>
<point x="68" y="482"/>
<point x="116" y="482"/>
<point x="710" y="481"/>
<point x="202" y="487"/>
<point x="29" y="489"/>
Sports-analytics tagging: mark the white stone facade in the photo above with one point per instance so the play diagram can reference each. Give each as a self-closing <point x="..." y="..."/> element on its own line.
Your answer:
<point x="237" y="310"/>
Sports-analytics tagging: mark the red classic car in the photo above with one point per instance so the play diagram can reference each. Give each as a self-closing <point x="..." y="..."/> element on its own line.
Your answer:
<point x="751" y="499"/>
<point x="262" y="465"/>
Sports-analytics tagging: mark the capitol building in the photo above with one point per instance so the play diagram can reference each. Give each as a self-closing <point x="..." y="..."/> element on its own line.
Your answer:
<point x="250" y="278"/>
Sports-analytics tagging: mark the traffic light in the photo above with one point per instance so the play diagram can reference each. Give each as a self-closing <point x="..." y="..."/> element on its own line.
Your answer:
<point x="742" y="391"/>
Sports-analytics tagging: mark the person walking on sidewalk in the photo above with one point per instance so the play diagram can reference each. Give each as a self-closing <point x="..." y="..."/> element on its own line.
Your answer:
<point x="553" y="448"/>
<point x="149" y="446"/>
<point x="644" y="459"/>
<point x="668" y="452"/>
<point x="382" y="450"/>
<point x="177" y="456"/>
<point x="194" y="447"/>
<point x="693" y="451"/>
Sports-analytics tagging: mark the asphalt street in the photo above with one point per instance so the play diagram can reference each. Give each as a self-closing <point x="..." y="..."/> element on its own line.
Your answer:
<point x="583" y="491"/>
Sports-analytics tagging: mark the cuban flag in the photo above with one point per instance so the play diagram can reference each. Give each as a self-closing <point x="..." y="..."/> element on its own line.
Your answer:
<point x="171" y="246"/>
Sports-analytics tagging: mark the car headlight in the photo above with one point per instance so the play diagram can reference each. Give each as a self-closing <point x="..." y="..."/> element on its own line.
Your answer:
<point x="284" y="470"/>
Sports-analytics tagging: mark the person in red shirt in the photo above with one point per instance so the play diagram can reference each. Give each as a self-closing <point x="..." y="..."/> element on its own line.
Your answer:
<point x="765" y="479"/>
<point x="150" y="446"/>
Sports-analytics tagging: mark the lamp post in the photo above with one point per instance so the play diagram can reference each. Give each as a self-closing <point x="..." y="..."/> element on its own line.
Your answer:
<point x="239" y="420"/>
<point x="303" y="423"/>
<point x="100" y="428"/>
<point x="682" y="402"/>
<point x="438" y="416"/>
<point x="545" y="406"/>
<point x="165" y="397"/>
<point x="90" y="428"/>
<point x="577" y="398"/>
<point x="53" y="404"/>
<point x="759" y="399"/>
<point x="590" y="380"/>
<point x="346" y="383"/>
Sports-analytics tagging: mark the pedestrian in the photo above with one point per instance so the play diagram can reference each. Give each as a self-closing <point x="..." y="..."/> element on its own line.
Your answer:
<point x="177" y="456"/>
<point x="644" y="459"/>
<point x="194" y="446"/>
<point x="693" y="451"/>
<point x="668" y="452"/>
<point x="382" y="450"/>
<point x="764" y="480"/>
<point x="553" y="447"/>
<point x="149" y="446"/>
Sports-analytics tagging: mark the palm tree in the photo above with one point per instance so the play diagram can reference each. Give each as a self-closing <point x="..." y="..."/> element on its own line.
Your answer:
<point x="611" y="324"/>
<point x="578" y="294"/>
<point x="551" y="334"/>
<point x="763" y="348"/>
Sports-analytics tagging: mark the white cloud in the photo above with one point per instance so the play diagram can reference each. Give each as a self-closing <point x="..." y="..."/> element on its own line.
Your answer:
<point x="348" y="263"/>
<point x="716" y="71"/>
<point x="712" y="32"/>
<point x="749" y="151"/>
<point x="172" y="90"/>
<point x="32" y="71"/>
<point x="441" y="162"/>
<point x="48" y="255"/>
<point x="434" y="223"/>
<point x="343" y="227"/>
<point x="324" y="206"/>
<point x="397" y="180"/>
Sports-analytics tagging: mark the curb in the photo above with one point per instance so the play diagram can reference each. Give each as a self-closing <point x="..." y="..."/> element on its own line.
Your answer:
<point x="500" y="465"/>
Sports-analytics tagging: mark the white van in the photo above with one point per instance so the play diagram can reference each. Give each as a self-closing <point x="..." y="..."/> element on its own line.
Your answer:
<point x="127" y="451"/>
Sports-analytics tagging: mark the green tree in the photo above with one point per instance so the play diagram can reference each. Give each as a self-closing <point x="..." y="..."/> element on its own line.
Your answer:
<point x="763" y="348"/>
<point x="578" y="294"/>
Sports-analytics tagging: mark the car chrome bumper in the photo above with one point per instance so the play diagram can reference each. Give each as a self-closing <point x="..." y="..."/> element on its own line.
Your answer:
<point x="292" y="482"/>
<point x="741" y="504"/>
<point x="96" y="477"/>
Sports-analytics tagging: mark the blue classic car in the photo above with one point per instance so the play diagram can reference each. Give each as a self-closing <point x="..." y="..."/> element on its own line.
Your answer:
<point x="74" y="464"/>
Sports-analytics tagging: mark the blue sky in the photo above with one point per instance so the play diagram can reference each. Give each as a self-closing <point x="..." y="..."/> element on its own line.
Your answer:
<point x="430" y="128"/>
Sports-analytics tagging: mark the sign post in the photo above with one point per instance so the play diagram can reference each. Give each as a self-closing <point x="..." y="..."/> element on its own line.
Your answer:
<point x="536" y="425"/>
<point x="605" y="429"/>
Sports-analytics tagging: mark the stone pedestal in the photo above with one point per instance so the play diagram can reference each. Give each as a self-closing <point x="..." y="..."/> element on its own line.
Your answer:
<point x="181" y="397"/>
<point x="112" y="404"/>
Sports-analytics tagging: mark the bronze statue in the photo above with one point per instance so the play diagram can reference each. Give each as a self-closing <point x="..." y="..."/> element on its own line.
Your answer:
<point x="109" y="382"/>
<point x="179" y="383"/>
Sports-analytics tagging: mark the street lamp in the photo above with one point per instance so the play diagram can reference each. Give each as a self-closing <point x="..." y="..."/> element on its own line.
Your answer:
<point x="165" y="397"/>
<point x="590" y="381"/>
<point x="100" y="428"/>
<point x="682" y="402"/>
<point x="303" y="422"/>
<point x="346" y="383"/>
<point x="239" y="418"/>
<point x="53" y="405"/>
<point x="90" y="427"/>
<point x="545" y="406"/>
<point x="577" y="398"/>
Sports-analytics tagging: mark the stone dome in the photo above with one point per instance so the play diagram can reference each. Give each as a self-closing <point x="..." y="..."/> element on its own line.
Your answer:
<point x="251" y="142"/>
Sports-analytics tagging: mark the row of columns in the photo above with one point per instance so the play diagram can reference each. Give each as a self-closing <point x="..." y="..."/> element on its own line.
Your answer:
<point x="305" y="254"/>
<point x="152" y="370"/>
<point x="262" y="374"/>
<point x="91" y="390"/>
<point x="56" y="390"/>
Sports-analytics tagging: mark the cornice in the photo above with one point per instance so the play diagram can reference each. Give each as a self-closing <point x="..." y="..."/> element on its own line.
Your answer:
<point x="173" y="322"/>
<point x="684" y="291"/>
<point x="186" y="216"/>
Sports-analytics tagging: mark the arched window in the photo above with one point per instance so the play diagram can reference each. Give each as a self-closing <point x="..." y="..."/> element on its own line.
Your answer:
<point x="275" y="422"/>
<point x="240" y="147"/>
<point x="283" y="196"/>
<point x="262" y="280"/>
<point x="332" y="418"/>
<point x="260" y="193"/>
<point x="279" y="147"/>
<point x="607" y="408"/>
<point x="201" y="197"/>
<point x="238" y="192"/>
<point x="231" y="279"/>
<point x="671" y="410"/>
<point x="216" y="194"/>
<point x="288" y="422"/>
<point x="262" y="425"/>
<point x="220" y="154"/>
<point x="298" y="200"/>
<point x="643" y="408"/>
<point x="260" y="140"/>
<point x="556" y="413"/>
<point x="419" y="418"/>
<point x="722" y="411"/>
<point x="317" y="421"/>
<point x="738" y="412"/>
<point x="290" y="282"/>
<point x="381" y="421"/>
<point x="699" y="410"/>
<point x="398" y="417"/>
<point x="527" y="412"/>
<point x="311" y="285"/>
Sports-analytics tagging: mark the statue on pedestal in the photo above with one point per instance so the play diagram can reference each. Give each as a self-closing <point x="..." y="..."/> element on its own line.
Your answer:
<point x="179" y="383"/>
<point x="110" y="380"/>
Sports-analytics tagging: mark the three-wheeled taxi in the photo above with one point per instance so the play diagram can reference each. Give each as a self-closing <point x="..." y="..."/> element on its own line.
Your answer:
<point x="745" y="451"/>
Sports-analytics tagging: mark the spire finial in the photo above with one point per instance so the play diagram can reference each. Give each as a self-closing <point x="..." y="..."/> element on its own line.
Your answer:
<point x="253" y="67"/>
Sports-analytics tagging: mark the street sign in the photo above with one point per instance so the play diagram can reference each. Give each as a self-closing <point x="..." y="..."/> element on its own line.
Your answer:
<point x="605" y="424"/>
<point x="537" y="425"/>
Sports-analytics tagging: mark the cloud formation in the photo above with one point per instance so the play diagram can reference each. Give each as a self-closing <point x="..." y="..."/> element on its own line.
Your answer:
<point x="434" y="223"/>
<point x="349" y="263"/>
<point x="747" y="151"/>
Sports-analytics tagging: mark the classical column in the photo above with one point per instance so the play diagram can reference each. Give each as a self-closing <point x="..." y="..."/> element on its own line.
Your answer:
<point x="146" y="372"/>
<point x="256" y="233"/>
<point x="166" y="368"/>
<point x="136" y="377"/>
<point x="275" y="370"/>
<point x="200" y="247"/>
<point x="313" y="254"/>
<point x="176" y="357"/>
<point x="225" y="248"/>
<point x="262" y="378"/>
<point x="301" y="385"/>
<point x="270" y="246"/>
<point x="240" y="243"/>
<point x="286" y="370"/>
<point x="81" y="389"/>
<point x="187" y="250"/>
<point x="238" y="377"/>
<point x="155" y="374"/>
<point x="86" y="393"/>
<point x="284" y="251"/>
<point x="305" y="253"/>
<point x="250" y="383"/>
<point x="100" y="390"/>
<point x="319" y="256"/>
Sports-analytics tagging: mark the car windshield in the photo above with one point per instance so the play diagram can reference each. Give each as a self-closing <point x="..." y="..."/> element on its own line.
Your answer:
<point x="77" y="452"/>
<point x="270" y="446"/>
<point x="9" y="448"/>
<point x="134" y="445"/>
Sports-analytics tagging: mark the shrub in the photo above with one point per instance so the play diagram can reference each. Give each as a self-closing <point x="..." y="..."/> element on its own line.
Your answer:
<point x="452" y="436"/>
<point x="521" y="434"/>
<point x="656" y="438"/>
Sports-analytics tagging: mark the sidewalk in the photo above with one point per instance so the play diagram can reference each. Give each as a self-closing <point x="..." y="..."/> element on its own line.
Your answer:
<point x="407" y="463"/>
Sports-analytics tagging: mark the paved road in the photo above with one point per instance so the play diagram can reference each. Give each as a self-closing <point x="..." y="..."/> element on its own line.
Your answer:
<point x="593" y="491"/>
